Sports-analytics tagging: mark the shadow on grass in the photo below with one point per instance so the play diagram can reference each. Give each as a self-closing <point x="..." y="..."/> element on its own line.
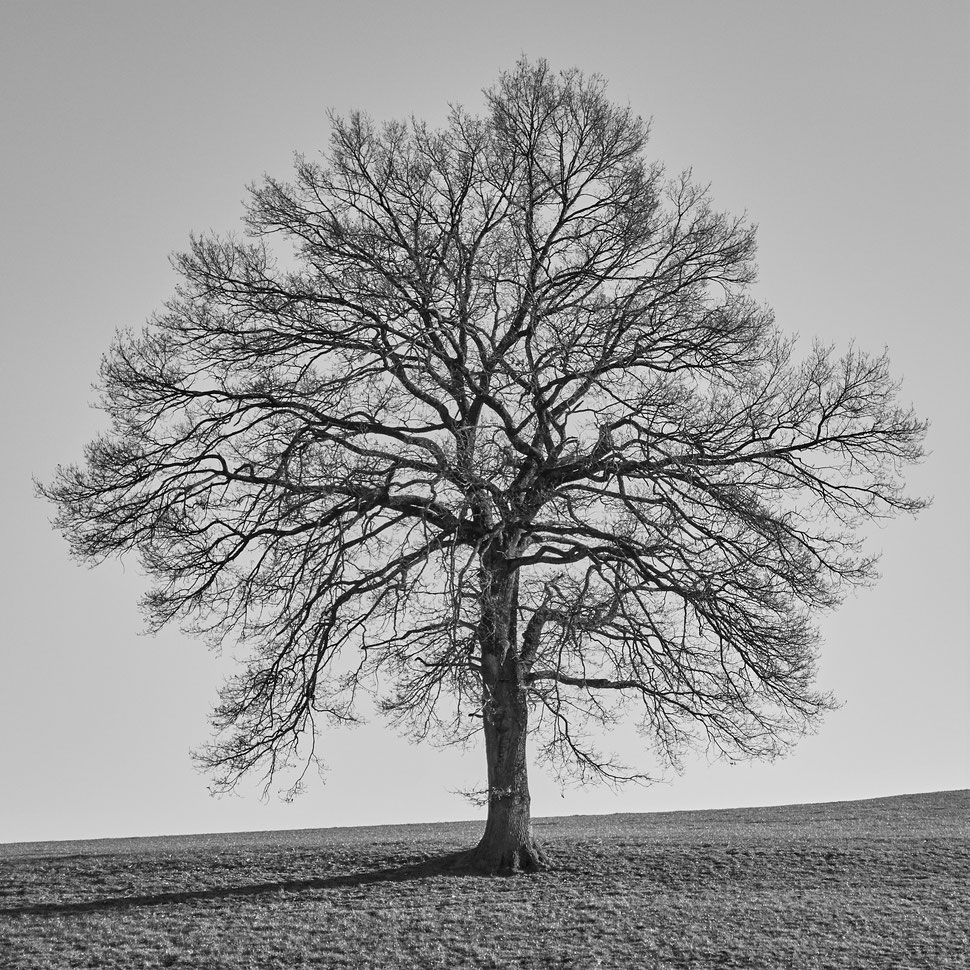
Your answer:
<point x="453" y="864"/>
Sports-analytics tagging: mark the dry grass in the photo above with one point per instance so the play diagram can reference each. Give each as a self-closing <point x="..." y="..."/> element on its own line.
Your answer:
<point x="857" y="884"/>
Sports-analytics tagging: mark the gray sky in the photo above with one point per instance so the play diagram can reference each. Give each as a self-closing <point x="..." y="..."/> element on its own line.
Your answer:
<point x="840" y="127"/>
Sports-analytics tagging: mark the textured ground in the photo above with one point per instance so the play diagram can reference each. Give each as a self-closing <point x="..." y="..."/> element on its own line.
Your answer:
<point x="882" y="884"/>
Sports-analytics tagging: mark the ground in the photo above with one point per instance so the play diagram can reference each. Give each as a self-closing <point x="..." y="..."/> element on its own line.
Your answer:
<point x="882" y="884"/>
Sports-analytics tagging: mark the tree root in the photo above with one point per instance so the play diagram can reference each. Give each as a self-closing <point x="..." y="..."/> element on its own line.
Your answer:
<point x="523" y="859"/>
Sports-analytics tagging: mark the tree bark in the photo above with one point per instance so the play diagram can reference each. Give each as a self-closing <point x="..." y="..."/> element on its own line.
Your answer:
<point x="507" y="845"/>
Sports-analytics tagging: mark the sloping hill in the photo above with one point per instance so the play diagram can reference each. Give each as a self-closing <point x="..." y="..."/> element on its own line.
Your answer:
<point x="877" y="883"/>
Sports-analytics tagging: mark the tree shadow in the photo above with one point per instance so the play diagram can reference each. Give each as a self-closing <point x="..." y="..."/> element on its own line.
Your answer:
<point x="453" y="864"/>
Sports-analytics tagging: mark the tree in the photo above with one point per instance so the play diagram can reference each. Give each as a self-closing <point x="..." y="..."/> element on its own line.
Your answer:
<point x="487" y="415"/>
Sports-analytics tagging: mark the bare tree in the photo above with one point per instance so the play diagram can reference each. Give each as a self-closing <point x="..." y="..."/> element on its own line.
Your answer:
<point x="497" y="425"/>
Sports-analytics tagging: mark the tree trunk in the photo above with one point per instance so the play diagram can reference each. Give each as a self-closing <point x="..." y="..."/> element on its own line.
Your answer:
<point x="507" y="845"/>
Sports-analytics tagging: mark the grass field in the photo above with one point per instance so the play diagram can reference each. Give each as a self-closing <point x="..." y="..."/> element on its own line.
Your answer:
<point x="882" y="883"/>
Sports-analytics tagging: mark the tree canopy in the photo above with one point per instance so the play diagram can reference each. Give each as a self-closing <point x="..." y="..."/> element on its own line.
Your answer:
<point x="487" y="419"/>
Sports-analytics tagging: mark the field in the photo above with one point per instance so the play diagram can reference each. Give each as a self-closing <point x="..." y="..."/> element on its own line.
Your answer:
<point x="882" y="883"/>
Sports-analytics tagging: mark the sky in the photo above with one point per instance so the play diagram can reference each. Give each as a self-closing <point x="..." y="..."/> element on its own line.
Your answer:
<point x="841" y="129"/>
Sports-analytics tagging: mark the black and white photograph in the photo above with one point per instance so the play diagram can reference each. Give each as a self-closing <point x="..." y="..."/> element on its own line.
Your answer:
<point x="485" y="485"/>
